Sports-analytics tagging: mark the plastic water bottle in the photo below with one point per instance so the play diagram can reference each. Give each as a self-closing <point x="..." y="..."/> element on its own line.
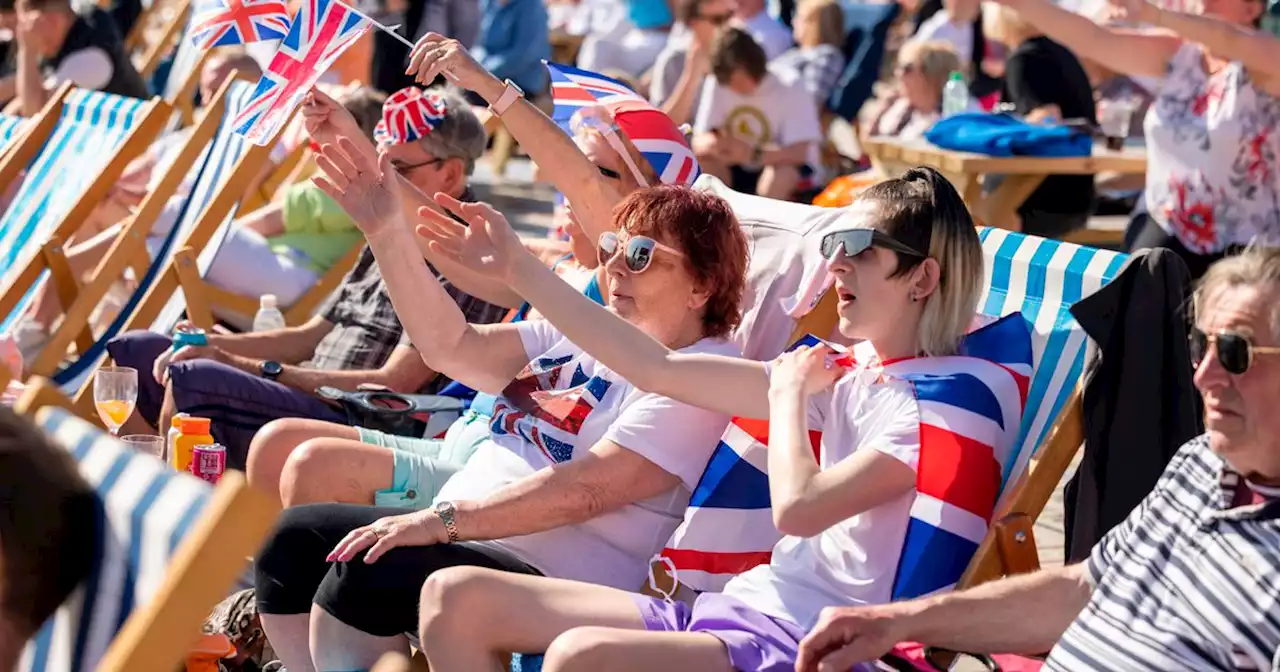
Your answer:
<point x="955" y="95"/>
<point x="269" y="316"/>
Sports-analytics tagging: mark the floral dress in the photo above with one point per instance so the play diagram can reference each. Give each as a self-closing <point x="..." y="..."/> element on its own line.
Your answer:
<point x="1213" y="157"/>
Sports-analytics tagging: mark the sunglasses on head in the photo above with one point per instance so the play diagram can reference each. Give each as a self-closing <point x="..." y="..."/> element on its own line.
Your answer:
<point x="638" y="253"/>
<point x="856" y="241"/>
<point x="1235" y="351"/>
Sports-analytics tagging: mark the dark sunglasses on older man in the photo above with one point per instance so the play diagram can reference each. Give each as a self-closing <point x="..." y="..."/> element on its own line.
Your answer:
<point x="856" y="241"/>
<point x="1235" y="351"/>
<point x="638" y="252"/>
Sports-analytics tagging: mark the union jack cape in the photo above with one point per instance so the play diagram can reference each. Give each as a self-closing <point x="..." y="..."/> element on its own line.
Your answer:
<point x="220" y="23"/>
<point x="657" y="138"/>
<point x="970" y="408"/>
<point x="321" y="31"/>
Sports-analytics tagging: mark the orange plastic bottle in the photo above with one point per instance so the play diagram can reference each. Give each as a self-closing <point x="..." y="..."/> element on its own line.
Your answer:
<point x="192" y="432"/>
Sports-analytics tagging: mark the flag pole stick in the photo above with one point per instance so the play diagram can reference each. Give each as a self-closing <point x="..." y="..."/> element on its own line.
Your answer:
<point x="390" y="30"/>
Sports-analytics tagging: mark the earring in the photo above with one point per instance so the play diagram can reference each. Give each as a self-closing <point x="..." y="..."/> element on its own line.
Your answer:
<point x="914" y="298"/>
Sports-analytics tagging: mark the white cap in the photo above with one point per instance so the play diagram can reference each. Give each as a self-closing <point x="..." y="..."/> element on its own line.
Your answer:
<point x="267" y="302"/>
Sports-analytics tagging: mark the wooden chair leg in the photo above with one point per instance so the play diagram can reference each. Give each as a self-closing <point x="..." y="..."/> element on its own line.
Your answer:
<point x="65" y="284"/>
<point x="504" y="145"/>
<point x="1016" y="544"/>
<point x="199" y="310"/>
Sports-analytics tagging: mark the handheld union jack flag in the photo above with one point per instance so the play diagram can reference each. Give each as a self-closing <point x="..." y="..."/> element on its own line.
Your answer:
<point x="220" y="23"/>
<point x="652" y="132"/>
<point x="321" y="31"/>
<point x="409" y="114"/>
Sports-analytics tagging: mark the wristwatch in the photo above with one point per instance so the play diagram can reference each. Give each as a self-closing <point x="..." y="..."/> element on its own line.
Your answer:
<point x="757" y="155"/>
<point x="509" y="96"/>
<point x="270" y="370"/>
<point x="445" y="510"/>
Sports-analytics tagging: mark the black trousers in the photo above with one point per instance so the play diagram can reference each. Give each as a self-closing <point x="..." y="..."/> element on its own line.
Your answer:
<point x="380" y="599"/>
<point x="1144" y="233"/>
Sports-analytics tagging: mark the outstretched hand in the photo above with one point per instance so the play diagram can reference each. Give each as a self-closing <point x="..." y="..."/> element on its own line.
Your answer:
<point x="487" y="244"/>
<point x="325" y="119"/>
<point x="366" y="189"/>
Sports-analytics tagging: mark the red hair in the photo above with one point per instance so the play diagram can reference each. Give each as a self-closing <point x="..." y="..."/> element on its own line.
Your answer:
<point x="702" y="226"/>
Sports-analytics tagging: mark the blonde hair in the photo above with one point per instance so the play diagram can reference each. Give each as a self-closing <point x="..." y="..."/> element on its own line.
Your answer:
<point x="830" y="18"/>
<point x="1257" y="267"/>
<point x="935" y="59"/>
<point x="924" y="211"/>
<point x="1004" y="24"/>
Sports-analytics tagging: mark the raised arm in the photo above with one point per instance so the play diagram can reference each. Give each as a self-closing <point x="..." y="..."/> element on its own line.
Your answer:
<point x="727" y="384"/>
<point x="557" y="156"/>
<point x="1255" y="49"/>
<point x="484" y="357"/>
<point x="1128" y="52"/>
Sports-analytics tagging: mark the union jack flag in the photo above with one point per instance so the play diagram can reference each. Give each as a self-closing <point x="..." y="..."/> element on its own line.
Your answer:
<point x="409" y="114"/>
<point x="321" y="31"/>
<point x="220" y="23"/>
<point x="652" y="132"/>
<point x="970" y="409"/>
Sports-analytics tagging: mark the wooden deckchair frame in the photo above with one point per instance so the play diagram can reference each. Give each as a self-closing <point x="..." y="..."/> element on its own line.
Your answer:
<point x="128" y="251"/>
<point x="232" y="527"/>
<point x="279" y="178"/>
<point x="23" y="149"/>
<point x="229" y="193"/>
<point x="151" y="121"/>
<point x="170" y="33"/>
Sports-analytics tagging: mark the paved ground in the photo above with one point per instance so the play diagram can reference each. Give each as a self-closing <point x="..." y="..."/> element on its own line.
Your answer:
<point x="528" y="206"/>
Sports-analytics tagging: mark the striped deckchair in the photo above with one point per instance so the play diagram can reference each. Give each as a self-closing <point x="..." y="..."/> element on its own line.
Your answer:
<point x="1039" y="278"/>
<point x="225" y="169"/>
<point x="170" y="548"/>
<point x="95" y="137"/>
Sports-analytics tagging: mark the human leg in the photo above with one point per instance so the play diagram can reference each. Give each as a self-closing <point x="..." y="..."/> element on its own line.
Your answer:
<point x="238" y="403"/>
<point x="248" y="265"/>
<point x="335" y="470"/>
<point x="470" y="616"/>
<point x="277" y="440"/>
<point x="139" y="350"/>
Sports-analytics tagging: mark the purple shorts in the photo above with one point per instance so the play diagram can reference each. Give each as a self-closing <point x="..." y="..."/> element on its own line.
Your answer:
<point x="756" y="643"/>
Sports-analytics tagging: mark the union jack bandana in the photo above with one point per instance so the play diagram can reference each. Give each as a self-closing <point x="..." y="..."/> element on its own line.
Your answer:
<point x="409" y="114"/>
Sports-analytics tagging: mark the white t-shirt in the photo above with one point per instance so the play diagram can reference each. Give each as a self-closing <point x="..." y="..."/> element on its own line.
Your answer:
<point x="939" y="28"/>
<point x="556" y="410"/>
<point x="769" y="33"/>
<point x="777" y="113"/>
<point x="854" y="561"/>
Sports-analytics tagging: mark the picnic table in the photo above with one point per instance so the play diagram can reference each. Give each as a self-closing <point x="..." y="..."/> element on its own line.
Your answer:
<point x="1022" y="174"/>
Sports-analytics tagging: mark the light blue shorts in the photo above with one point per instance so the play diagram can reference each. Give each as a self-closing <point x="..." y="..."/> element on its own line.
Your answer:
<point x="423" y="466"/>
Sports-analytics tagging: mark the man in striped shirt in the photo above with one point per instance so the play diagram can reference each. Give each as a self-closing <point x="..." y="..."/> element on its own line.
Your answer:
<point x="1189" y="580"/>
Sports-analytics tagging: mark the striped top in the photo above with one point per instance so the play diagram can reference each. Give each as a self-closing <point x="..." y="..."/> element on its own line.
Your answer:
<point x="1186" y="582"/>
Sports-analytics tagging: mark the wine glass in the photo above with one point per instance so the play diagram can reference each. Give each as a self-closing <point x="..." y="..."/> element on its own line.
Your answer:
<point x="115" y="392"/>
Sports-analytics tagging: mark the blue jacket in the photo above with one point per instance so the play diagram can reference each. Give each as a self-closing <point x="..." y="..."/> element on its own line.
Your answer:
<point x="514" y="42"/>
<point x="1004" y="135"/>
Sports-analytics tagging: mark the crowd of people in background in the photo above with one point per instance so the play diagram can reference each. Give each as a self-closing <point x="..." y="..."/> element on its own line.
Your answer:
<point x="601" y="370"/>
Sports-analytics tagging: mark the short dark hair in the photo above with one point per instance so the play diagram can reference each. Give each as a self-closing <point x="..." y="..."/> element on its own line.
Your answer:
<point x="735" y="49"/>
<point x="49" y="524"/>
<point x="701" y="225"/>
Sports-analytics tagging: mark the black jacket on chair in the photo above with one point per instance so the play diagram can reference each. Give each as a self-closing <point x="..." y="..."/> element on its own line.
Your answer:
<point x="1139" y="402"/>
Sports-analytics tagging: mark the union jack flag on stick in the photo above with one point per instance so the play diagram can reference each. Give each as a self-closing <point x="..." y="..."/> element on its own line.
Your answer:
<point x="321" y="31"/>
<point x="220" y="23"/>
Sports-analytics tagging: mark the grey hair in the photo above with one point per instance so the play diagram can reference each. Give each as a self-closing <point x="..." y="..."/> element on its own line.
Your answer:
<point x="1256" y="266"/>
<point x="460" y="135"/>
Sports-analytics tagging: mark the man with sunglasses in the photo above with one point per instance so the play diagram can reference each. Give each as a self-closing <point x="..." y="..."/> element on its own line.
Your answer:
<point x="1188" y="580"/>
<point x="243" y="381"/>
<point x="687" y="51"/>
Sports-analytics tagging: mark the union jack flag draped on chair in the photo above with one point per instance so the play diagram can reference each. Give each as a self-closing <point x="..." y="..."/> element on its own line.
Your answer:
<point x="409" y="114"/>
<point x="653" y="133"/>
<point x="220" y="23"/>
<point x="321" y="31"/>
<point x="970" y="409"/>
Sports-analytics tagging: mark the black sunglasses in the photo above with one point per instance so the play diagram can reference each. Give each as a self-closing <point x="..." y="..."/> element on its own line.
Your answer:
<point x="716" y="19"/>
<point x="609" y="173"/>
<point x="638" y="254"/>
<point x="1235" y="351"/>
<point x="405" y="169"/>
<point x="856" y="241"/>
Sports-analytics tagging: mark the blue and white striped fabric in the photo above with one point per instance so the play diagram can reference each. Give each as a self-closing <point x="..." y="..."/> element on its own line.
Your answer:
<point x="185" y="59"/>
<point x="9" y="127"/>
<point x="211" y="169"/>
<point x="92" y="127"/>
<point x="1042" y="279"/>
<point x="147" y="511"/>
